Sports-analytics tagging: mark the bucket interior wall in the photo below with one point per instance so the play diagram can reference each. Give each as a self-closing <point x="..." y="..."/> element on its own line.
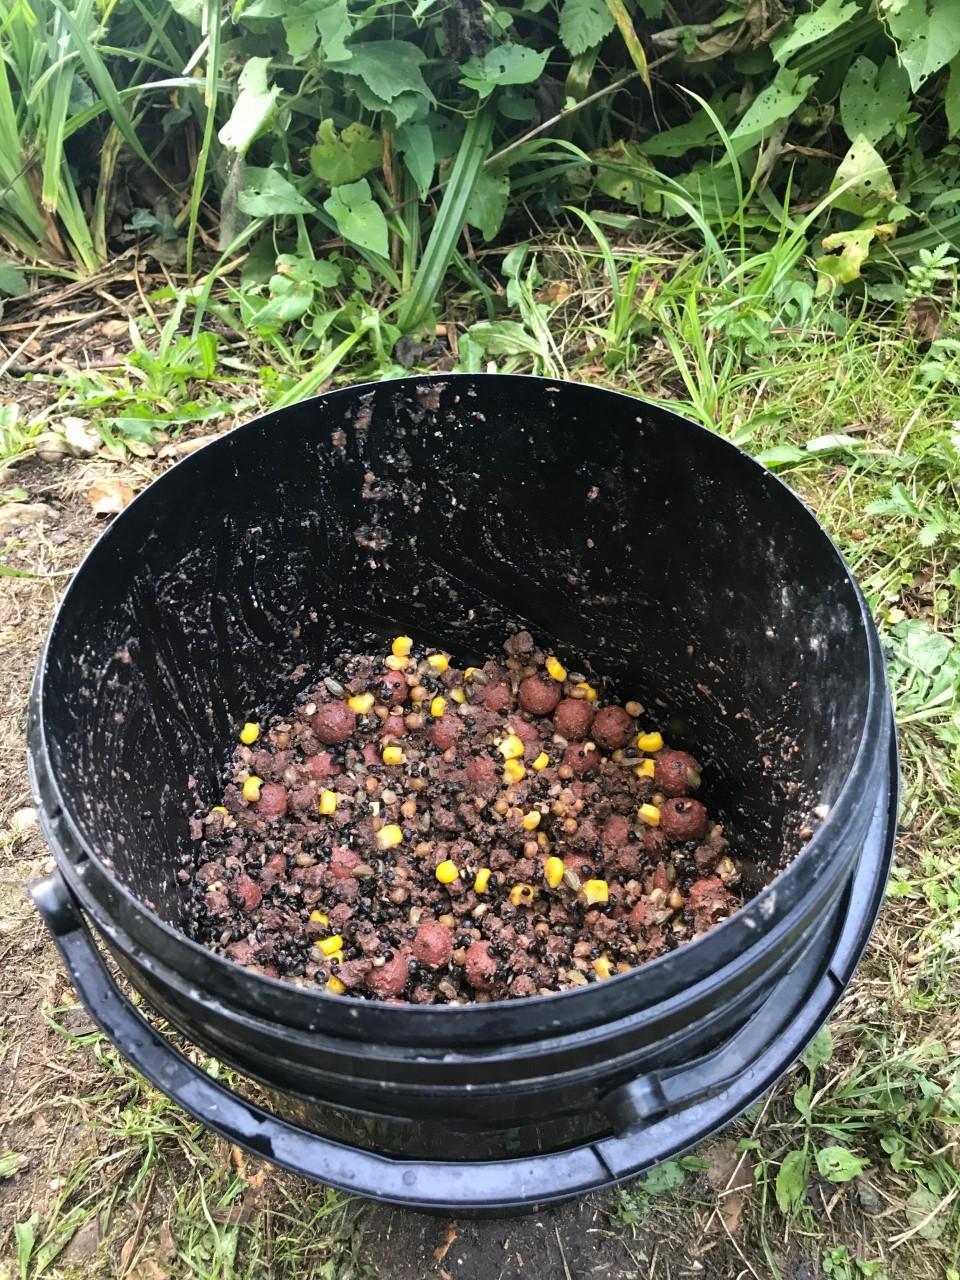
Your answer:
<point x="454" y="510"/>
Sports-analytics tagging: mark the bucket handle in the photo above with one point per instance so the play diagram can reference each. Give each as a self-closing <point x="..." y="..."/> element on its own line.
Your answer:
<point x="638" y="1109"/>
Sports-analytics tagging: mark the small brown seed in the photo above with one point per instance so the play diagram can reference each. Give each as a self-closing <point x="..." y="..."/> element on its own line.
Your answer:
<point x="633" y="708"/>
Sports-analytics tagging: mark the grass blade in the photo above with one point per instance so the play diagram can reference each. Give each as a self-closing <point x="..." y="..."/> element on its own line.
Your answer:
<point x="213" y="30"/>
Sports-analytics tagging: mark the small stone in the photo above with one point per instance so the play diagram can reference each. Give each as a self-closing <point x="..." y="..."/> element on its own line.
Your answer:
<point x="24" y="821"/>
<point x="80" y="440"/>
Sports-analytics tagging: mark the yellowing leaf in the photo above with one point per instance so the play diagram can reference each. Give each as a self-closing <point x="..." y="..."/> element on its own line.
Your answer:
<point x="347" y="158"/>
<point x="109" y="496"/>
<point x="862" y="180"/>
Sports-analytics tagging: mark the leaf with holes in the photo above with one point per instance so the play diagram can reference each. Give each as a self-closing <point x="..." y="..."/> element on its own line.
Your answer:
<point x="504" y="64"/>
<point x="813" y="26"/>
<point x="928" y="33"/>
<point x="793" y="1177"/>
<point x="389" y="68"/>
<point x="873" y="99"/>
<point x="488" y="202"/>
<point x="345" y="158"/>
<point x="862" y="180"/>
<point x="778" y="100"/>
<point x="268" y="194"/>
<point x="253" y="108"/>
<point x="583" y="24"/>
<point x="837" y="1164"/>
<point x="358" y="217"/>
<point x="854" y="248"/>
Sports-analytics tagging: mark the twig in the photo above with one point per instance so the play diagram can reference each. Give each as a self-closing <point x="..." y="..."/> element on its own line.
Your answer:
<point x="11" y="359"/>
<point x="134" y="1241"/>
<point x="563" y="1256"/>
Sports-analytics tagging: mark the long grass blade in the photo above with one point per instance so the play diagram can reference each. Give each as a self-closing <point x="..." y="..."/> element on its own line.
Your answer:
<point x="213" y="32"/>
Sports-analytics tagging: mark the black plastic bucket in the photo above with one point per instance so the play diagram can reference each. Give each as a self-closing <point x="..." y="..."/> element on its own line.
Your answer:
<point x="454" y="508"/>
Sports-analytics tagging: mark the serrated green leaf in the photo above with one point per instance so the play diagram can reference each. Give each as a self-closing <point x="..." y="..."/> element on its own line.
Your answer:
<point x="873" y="98"/>
<point x="488" y="202"/>
<point x="345" y="158"/>
<point x="870" y="182"/>
<point x="253" y="108"/>
<point x="928" y="36"/>
<point x="12" y="282"/>
<point x="389" y="68"/>
<point x="504" y="64"/>
<point x="358" y="217"/>
<point x="414" y="141"/>
<point x="774" y="103"/>
<point x="793" y="1177"/>
<point x="583" y="24"/>
<point x="812" y="26"/>
<point x="837" y="1164"/>
<point x="268" y="194"/>
<point x="951" y="100"/>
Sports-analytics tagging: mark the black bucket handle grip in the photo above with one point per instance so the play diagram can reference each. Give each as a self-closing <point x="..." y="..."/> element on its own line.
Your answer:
<point x="427" y="1185"/>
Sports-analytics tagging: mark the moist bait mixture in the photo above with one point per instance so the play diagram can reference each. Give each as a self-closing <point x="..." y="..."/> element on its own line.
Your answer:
<point x="415" y="832"/>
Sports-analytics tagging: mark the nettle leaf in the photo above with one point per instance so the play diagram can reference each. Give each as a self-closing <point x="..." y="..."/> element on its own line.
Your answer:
<point x="583" y="24"/>
<point x="358" y="217"/>
<point x="699" y="131"/>
<point x="774" y="103"/>
<point x="837" y="1164"/>
<point x="951" y="101"/>
<point x="253" y="108"/>
<point x="870" y="181"/>
<point x="928" y="36"/>
<point x="873" y="99"/>
<point x="389" y="68"/>
<point x="505" y="64"/>
<point x="812" y="26"/>
<point x="414" y="141"/>
<point x="268" y="194"/>
<point x="793" y="1177"/>
<point x="488" y="202"/>
<point x="345" y="158"/>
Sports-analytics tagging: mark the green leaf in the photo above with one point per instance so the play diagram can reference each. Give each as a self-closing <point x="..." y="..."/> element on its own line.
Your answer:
<point x="191" y="10"/>
<point x="793" y="1177"/>
<point x="300" y="28"/>
<point x="488" y="203"/>
<point x="870" y="182"/>
<point x="638" y="57"/>
<point x="951" y="101"/>
<point x="699" y="131"/>
<point x="290" y="300"/>
<point x="837" y="1164"/>
<point x="802" y="1098"/>
<point x="389" y="68"/>
<point x="625" y="173"/>
<point x="253" y="108"/>
<point x="812" y="26"/>
<point x="665" y="1177"/>
<point x="268" y="194"/>
<point x="873" y="99"/>
<point x="774" y="103"/>
<point x="928" y="35"/>
<point x="854" y="246"/>
<point x="334" y="29"/>
<point x="318" y="271"/>
<point x="403" y="108"/>
<point x="358" y="217"/>
<point x="782" y="455"/>
<point x="12" y="282"/>
<point x="345" y="159"/>
<point x="820" y="1049"/>
<point x="26" y="1234"/>
<point x="583" y="24"/>
<point x="652" y="8"/>
<point x="504" y="64"/>
<point x="10" y="1162"/>
<point x="414" y="141"/>
<point x="926" y="650"/>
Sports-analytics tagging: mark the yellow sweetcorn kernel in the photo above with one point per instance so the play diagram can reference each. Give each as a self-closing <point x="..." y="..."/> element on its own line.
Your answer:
<point x="335" y="985"/>
<point x="521" y="895"/>
<point x="556" y="670"/>
<point x="330" y="946"/>
<point x="251" y="788"/>
<point x="218" y="808"/>
<point x="458" y="695"/>
<point x="439" y="662"/>
<point x="553" y="870"/>
<point x="650" y="741"/>
<point x="393" y="756"/>
<point x="589" y="692"/>
<point x="530" y="821"/>
<point x="328" y="802"/>
<point x="543" y="840"/>
<point x="437" y="706"/>
<point x="646" y="769"/>
<point x="401" y="647"/>
<point x="447" y="872"/>
<point x="513" y="771"/>
<point x="470" y="672"/>
<point x="541" y="761"/>
<point x="249" y="733"/>
<point x="511" y="748"/>
<point x="318" y="917"/>
<point x="482" y="880"/>
<point x="602" y="967"/>
<point x="390" y="836"/>
<point x="361" y="703"/>
<point x="595" y="891"/>
<point x="650" y="814"/>
<point x="393" y="663"/>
